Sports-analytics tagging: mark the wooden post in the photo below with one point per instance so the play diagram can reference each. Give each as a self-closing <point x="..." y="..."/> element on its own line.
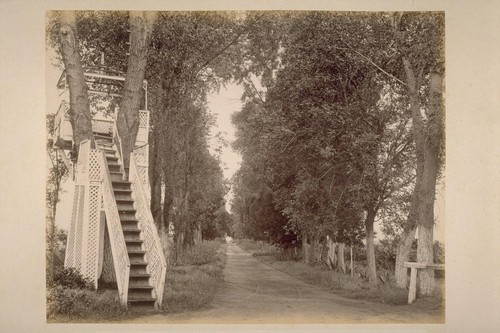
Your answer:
<point x="412" y="294"/>
<point x="415" y="266"/>
<point x="352" y="264"/>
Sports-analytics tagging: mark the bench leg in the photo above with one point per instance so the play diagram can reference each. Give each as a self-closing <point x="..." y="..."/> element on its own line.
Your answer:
<point x="412" y="293"/>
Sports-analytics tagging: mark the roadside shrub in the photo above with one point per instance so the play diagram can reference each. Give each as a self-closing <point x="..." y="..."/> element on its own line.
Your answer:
<point x="81" y="304"/>
<point x="69" y="278"/>
<point x="221" y="240"/>
<point x="192" y="286"/>
<point x="200" y="254"/>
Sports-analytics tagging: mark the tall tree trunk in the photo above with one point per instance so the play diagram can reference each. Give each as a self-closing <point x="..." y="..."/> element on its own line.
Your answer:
<point x="141" y="26"/>
<point x="313" y="249"/>
<point x="305" y="248"/>
<point x="79" y="105"/>
<point x="371" y="268"/>
<point x="155" y="161"/>
<point x="402" y="255"/>
<point x="427" y="136"/>
<point x="352" y="260"/>
<point x="340" y="255"/>
<point x="331" y="257"/>
<point x="428" y="194"/>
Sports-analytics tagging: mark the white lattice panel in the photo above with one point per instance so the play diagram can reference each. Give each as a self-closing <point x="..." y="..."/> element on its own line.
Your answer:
<point x="92" y="250"/>
<point x="143" y="119"/>
<point x="102" y="126"/>
<point x="141" y="159"/>
<point x="69" y="260"/>
<point x="156" y="261"/>
<point x="79" y="230"/>
<point x="144" y="177"/>
<point x="94" y="165"/>
<point x="83" y="155"/>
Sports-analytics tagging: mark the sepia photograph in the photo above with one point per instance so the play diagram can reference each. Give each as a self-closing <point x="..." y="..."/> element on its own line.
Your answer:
<point x="249" y="166"/>
<point x="245" y="167"/>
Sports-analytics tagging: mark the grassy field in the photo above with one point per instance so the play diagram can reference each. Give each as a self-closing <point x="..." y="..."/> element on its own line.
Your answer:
<point x="339" y="283"/>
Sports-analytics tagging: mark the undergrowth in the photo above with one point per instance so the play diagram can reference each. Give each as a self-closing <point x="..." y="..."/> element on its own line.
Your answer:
<point x="341" y="284"/>
<point x="72" y="298"/>
<point x="193" y="282"/>
<point x="191" y="285"/>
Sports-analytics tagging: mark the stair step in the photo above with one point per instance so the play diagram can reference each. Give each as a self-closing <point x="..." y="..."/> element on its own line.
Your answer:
<point x="120" y="185"/>
<point x="141" y="292"/>
<point x="133" y="246"/>
<point x="111" y="158"/>
<point x="138" y="269"/>
<point x="116" y="176"/>
<point x="128" y="218"/>
<point x="132" y="238"/>
<point x="131" y="230"/>
<point x="141" y="288"/>
<point x="133" y="241"/>
<point x="119" y="195"/>
<point x="103" y="136"/>
<point x="142" y="301"/>
<point x="127" y="209"/>
<point x="136" y="252"/>
<point x="125" y="201"/>
<point x="138" y="261"/>
<point x="139" y="283"/>
<point x="116" y="167"/>
<point x="122" y="190"/>
<point x="139" y="275"/>
<point x="129" y="224"/>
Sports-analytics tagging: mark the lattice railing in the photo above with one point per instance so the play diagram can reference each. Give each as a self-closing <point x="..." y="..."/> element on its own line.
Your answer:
<point x="102" y="126"/>
<point x="62" y="125"/>
<point x="121" y="261"/>
<point x="142" y="163"/>
<point x="157" y="265"/>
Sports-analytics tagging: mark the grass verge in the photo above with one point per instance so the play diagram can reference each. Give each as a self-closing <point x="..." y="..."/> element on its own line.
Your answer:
<point x="342" y="284"/>
<point x="192" y="284"/>
<point x="66" y="305"/>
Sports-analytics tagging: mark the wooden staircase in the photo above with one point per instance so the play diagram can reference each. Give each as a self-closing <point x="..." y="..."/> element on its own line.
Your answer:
<point x="140" y="291"/>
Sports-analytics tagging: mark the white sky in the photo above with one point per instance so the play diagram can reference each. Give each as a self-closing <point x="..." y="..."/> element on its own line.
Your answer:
<point x="222" y="106"/>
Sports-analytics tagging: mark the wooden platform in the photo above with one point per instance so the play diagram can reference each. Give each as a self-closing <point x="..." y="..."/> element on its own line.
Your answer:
<point x="415" y="266"/>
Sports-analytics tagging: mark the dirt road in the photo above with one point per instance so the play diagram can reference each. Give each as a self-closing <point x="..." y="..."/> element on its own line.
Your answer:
<point x="254" y="292"/>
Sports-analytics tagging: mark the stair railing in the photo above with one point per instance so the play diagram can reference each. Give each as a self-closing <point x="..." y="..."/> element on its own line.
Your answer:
<point x="157" y="264"/>
<point x="121" y="260"/>
<point x="118" y="143"/>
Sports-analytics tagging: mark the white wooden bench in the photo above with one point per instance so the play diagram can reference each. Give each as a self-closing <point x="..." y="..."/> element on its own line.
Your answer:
<point x="415" y="266"/>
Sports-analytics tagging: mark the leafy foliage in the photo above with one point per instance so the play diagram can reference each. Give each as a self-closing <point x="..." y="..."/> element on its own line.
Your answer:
<point x="82" y="305"/>
<point x="200" y="254"/>
<point x="70" y="278"/>
<point x="330" y="133"/>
